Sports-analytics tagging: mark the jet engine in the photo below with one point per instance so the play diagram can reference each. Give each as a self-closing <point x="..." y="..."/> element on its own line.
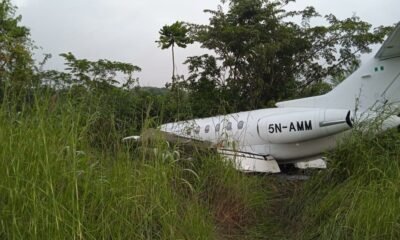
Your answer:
<point x="304" y="125"/>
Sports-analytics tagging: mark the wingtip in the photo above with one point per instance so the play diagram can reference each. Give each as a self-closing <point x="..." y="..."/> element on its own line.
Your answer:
<point x="131" y="138"/>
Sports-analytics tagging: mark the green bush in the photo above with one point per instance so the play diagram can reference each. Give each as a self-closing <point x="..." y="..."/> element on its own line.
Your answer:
<point x="358" y="196"/>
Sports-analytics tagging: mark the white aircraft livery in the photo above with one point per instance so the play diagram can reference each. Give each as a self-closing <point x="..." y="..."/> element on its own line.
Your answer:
<point x="300" y="131"/>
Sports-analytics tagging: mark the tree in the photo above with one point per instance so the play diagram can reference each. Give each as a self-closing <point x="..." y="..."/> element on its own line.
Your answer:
<point x="16" y="63"/>
<point x="104" y="91"/>
<point x="266" y="57"/>
<point x="205" y="86"/>
<point x="93" y="74"/>
<point x="176" y="33"/>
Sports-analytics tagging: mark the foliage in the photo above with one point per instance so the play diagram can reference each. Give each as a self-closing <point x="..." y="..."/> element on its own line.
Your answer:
<point x="16" y="64"/>
<point x="207" y="92"/>
<point x="93" y="84"/>
<point x="93" y="74"/>
<point x="57" y="186"/>
<point x="171" y="35"/>
<point x="119" y="110"/>
<point x="357" y="197"/>
<point x="264" y="56"/>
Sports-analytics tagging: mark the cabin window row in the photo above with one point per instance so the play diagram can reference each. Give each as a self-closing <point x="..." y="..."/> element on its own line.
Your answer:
<point x="228" y="127"/>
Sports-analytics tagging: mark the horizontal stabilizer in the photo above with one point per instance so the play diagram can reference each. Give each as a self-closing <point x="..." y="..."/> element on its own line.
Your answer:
<point x="391" y="47"/>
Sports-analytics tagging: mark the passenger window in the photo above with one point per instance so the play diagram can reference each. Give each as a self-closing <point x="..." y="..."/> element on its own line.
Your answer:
<point x="188" y="131"/>
<point x="217" y="127"/>
<point x="197" y="130"/>
<point x="207" y="129"/>
<point x="229" y="126"/>
<point x="240" y="125"/>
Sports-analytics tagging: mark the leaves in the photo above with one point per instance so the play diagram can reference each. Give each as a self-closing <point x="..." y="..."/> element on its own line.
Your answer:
<point x="16" y="63"/>
<point x="266" y="57"/>
<point x="93" y="73"/>
<point x="174" y="34"/>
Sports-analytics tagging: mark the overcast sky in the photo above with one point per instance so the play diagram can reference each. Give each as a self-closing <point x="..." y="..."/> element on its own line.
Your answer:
<point x="126" y="30"/>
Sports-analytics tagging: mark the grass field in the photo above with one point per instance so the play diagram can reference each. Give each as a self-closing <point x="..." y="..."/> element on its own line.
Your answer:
<point x="358" y="197"/>
<point x="55" y="184"/>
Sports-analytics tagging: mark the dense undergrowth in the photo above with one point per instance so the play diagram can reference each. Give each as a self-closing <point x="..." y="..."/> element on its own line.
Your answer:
<point x="56" y="184"/>
<point x="358" y="197"/>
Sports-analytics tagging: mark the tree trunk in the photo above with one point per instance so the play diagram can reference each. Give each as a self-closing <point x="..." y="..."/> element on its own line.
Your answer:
<point x="173" y="64"/>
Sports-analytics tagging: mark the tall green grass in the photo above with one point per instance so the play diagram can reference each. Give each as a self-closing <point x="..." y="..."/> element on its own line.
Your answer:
<point x="65" y="175"/>
<point x="358" y="197"/>
<point x="55" y="184"/>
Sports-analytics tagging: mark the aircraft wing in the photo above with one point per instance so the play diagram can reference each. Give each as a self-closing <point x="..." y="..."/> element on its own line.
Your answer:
<point x="152" y="134"/>
<point x="243" y="161"/>
<point x="391" y="47"/>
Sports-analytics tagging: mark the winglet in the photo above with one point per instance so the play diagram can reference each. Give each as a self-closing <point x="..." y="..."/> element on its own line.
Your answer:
<point x="134" y="138"/>
<point x="391" y="47"/>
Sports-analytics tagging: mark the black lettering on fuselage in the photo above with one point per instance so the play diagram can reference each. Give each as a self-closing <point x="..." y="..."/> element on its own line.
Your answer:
<point x="308" y="125"/>
<point x="300" y="126"/>
<point x="278" y="128"/>
<point x="292" y="128"/>
<point x="275" y="128"/>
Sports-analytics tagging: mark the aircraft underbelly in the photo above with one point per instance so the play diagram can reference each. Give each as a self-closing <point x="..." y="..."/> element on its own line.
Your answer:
<point x="261" y="149"/>
<point x="303" y="149"/>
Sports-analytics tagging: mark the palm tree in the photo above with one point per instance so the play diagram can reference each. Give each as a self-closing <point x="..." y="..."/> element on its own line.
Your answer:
<point x="171" y="35"/>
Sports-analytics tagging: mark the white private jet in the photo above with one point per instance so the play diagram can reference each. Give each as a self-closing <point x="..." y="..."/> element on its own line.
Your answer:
<point x="300" y="131"/>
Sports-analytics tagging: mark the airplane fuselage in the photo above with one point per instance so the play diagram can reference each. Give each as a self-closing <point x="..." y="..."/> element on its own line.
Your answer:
<point x="283" y="133"/>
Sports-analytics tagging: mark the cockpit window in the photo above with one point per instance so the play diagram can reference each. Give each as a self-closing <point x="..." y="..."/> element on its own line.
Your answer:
<point x="207" y="129"/>
<point x="217" y="127"/>
<point x="240" y="125"/>
<point x="229" y="126"/>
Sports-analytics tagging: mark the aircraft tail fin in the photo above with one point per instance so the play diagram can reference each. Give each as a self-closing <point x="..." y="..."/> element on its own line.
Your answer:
<point x="375" y="83"/>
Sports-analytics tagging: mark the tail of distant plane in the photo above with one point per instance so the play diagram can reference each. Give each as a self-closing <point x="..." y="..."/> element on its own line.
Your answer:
<point x="375" y="84"/>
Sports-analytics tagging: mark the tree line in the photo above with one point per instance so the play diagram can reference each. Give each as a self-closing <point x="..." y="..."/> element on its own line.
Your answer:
<point x="261" y="54"/>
